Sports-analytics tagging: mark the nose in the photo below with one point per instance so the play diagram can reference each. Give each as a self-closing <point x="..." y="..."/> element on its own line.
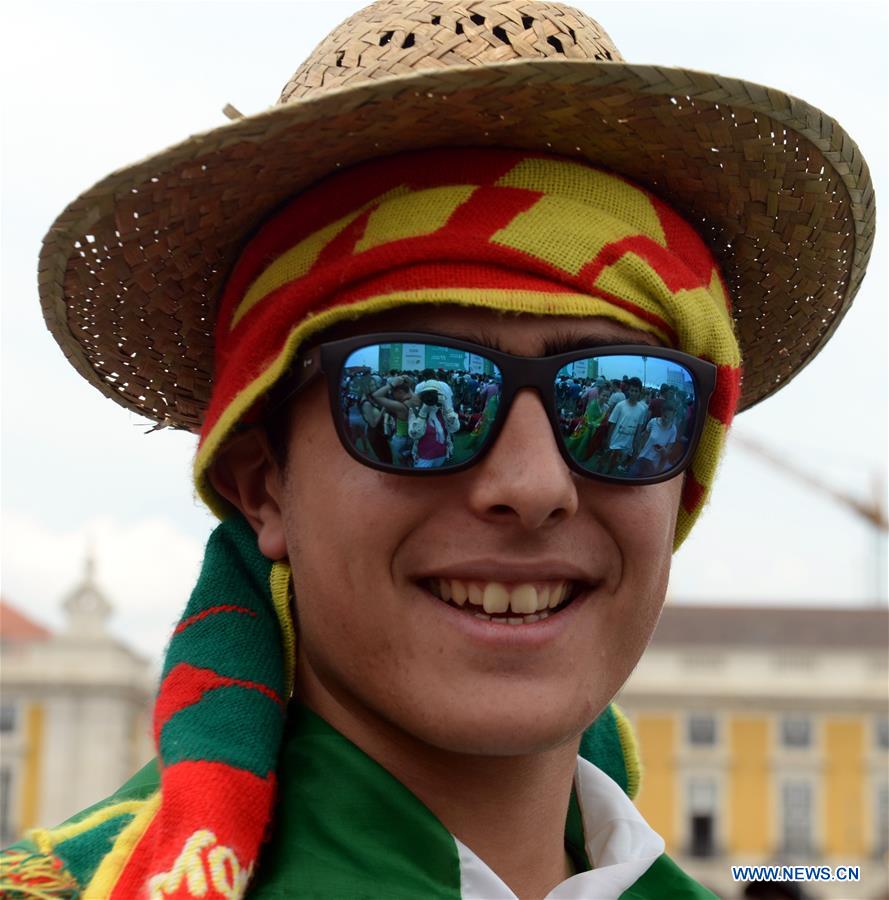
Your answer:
<point x="523" y="478"/>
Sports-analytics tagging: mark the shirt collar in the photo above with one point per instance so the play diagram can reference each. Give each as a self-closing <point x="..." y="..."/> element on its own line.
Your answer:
<point x="619" y="844"/>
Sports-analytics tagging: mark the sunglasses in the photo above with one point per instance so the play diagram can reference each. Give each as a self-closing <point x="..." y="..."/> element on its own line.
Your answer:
<point x="422" y="404"/>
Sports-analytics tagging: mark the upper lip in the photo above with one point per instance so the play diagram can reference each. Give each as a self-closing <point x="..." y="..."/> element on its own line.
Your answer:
<point x="511" y="571"/>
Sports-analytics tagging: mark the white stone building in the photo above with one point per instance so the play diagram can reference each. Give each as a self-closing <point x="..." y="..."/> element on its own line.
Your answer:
<point x="74" y="714"/>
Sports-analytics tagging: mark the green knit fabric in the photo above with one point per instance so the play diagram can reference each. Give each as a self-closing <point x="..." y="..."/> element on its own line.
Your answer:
<point x="81" y="855"/>
<point x="600" y="744"/>
<point x="229" y="741"/>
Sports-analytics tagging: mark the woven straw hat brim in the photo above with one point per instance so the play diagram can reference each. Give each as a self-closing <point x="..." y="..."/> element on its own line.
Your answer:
<point x="131" y="270"/>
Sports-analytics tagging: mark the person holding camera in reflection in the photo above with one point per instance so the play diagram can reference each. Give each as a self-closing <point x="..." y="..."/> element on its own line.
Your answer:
<point x="397" y="398"/>
<point x="431" y="425"/>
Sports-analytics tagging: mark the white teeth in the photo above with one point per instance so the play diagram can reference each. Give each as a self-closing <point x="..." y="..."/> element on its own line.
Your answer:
<point x="496" y="598"/>
<point x="530" y="601"/>
<point x="557" y="595"/>
<point x="512" y="620"/>
<point x="524" y="599"/>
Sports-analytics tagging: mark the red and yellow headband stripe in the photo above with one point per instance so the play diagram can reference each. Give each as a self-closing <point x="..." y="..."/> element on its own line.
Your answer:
<point x="493" y="228"/>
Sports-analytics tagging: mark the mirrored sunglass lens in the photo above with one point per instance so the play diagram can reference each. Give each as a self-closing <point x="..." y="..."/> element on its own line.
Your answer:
<point x="418" y="406"/>
<point x="630" y="416"/>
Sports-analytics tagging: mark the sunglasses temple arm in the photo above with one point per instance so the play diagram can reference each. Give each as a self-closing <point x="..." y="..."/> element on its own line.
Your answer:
<point x="307" y="369"/>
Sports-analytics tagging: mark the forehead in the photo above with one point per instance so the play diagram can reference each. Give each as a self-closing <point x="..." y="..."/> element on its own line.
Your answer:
<point x="517" y="333"/>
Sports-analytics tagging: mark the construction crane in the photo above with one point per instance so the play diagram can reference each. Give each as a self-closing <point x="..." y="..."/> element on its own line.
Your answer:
<point x="872" y="510"/>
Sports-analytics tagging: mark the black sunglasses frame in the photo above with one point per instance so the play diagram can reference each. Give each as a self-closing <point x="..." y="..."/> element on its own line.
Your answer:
<point x="519" y="372"/>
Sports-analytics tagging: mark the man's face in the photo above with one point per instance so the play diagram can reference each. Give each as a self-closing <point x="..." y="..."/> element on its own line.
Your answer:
<point x="633" y="393"/>
<point x="369" y="549"/>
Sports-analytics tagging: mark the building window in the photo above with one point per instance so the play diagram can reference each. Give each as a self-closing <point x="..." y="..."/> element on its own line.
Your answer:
<point x="796" y="731"/>
<point x="702" y="817"/>
<point x="882" y="729"/>
<point x="6" y="835"/>
<point x="701" y="730"/>
<point x="881" y="829"/>
<point x="796" y="808"/>
<point x="7" y="717"/>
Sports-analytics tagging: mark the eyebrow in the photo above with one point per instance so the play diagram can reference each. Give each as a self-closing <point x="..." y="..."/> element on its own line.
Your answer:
<point x="553" y="345"/>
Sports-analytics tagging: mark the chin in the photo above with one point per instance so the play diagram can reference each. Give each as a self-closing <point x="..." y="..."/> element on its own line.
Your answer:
<point x="513" y="727"/>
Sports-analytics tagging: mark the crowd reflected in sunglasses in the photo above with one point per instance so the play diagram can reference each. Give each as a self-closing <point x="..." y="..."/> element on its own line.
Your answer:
<point x="440" y="417"/>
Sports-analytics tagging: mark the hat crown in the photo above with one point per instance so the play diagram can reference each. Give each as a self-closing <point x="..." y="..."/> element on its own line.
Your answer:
<point x="398" y="37"/>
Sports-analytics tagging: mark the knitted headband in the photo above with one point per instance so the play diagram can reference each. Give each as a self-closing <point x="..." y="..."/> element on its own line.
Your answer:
<point x="499" y="229"/>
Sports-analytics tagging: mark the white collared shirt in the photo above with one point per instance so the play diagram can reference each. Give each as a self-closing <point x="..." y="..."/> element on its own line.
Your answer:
<point x="620" y="845"/>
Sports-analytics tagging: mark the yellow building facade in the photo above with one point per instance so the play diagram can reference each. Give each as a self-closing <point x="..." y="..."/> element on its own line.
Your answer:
<point x="764" y="736"/>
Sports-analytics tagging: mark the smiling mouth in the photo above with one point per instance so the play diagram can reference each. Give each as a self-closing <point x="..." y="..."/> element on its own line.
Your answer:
<point x="506" y="604"/>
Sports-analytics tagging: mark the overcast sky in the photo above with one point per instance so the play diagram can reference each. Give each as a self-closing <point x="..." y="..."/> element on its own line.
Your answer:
<point x="90" y="87"/>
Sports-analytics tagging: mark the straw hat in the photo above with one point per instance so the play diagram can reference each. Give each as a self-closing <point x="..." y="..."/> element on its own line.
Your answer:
<point x="131" y="270"/>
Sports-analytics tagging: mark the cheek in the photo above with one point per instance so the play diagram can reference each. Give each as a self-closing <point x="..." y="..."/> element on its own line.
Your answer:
<point x="641" y="523"/>
<point x="330" y="506"/>
<point x="344" y="523"/>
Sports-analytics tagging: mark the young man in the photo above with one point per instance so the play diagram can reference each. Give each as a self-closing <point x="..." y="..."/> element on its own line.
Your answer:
<point x="659" y="437"/>
<point x="450" y="640"/>
<point x="626" y="420"/>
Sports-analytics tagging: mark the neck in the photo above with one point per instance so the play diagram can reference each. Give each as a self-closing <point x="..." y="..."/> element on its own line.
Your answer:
<point x="509" y="810"/>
